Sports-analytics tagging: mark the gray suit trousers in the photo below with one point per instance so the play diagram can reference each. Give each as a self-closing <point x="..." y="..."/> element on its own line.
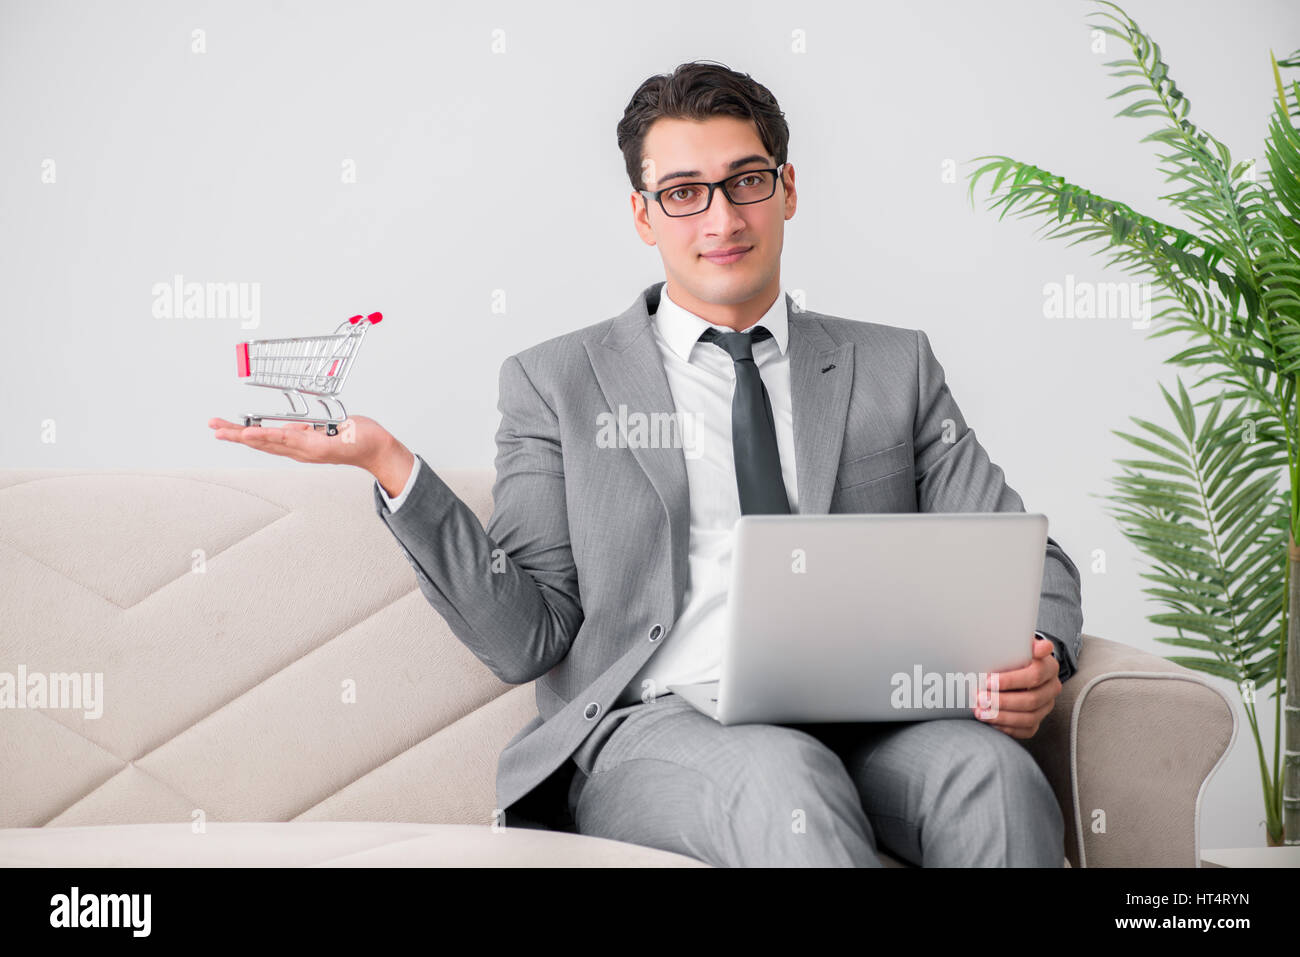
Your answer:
<point x="947" y="792"/>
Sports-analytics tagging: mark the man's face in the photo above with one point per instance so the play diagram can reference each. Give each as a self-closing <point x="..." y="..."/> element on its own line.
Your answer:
<point x="685" y="151"/>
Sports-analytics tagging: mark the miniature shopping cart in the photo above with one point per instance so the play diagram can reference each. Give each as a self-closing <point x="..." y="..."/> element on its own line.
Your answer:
<point x="315" y="366"/>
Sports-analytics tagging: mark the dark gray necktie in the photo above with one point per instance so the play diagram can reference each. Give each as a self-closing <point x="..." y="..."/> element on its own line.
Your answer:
<point x="753" y="429"/>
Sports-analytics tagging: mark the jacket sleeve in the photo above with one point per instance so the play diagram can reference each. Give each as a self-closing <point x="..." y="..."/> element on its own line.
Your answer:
<point x="509" y="592"/>
<point x="954" y="474"/>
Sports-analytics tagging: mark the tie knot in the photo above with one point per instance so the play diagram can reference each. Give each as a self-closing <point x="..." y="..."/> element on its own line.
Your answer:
<point x="737" y="344"/>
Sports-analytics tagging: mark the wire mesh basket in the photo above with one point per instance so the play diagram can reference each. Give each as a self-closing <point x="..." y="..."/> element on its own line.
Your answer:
<point x="303" y="367"/>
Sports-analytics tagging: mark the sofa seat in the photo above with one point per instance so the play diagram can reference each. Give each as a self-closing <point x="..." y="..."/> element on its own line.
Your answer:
<point x="327" y="844"/>
<point x="320" y="844"/>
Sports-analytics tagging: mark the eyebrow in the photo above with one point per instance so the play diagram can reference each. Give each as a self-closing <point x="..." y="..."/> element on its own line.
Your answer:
<point x="733" y="165"/>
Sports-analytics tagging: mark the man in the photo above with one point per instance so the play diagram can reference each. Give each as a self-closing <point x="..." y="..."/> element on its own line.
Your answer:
<point x="602" y="572"/>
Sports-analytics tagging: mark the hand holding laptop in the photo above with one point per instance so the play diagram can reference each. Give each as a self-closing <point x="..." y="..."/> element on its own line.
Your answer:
<point x="1019" y="700"/>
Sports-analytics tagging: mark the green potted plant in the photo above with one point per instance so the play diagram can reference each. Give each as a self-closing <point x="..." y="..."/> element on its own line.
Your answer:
<point x="1210" y="505"/>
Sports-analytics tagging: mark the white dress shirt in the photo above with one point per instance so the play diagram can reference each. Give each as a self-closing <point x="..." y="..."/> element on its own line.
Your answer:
<point x="395" y="503"/>
<point x="702" y="378"/>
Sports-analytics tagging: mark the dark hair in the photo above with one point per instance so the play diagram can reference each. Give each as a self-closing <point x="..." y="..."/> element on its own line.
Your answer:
<point x="696" y="91"/>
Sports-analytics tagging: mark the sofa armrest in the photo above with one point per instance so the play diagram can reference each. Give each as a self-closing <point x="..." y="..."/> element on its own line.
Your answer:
<point x="1128" y="749"/>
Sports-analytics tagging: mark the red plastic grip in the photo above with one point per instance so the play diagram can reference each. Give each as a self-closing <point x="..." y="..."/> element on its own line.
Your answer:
<point x="354" y="320"/>
<point x="374" y="317"/>
<point x="241" y="357"/>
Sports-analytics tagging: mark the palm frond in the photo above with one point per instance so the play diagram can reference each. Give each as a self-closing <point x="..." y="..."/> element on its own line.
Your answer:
<point x="1227" y="201"/>
<point x="1204" y="302"/>
<point x="1198" y="159"/>
<point x="1290" y="101"/>
<point x="1216" y="532"/>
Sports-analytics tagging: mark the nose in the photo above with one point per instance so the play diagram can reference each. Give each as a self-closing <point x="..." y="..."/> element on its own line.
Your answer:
<point x="722" y="216"/>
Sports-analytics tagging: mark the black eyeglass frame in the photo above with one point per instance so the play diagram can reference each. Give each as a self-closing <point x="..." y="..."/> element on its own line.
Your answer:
<point x="657" y="194"/>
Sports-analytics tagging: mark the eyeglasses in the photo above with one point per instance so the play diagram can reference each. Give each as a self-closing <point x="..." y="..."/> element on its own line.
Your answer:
<point x="688" y="199"/>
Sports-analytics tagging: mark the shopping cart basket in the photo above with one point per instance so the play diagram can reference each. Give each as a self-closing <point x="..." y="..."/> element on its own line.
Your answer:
<point x="314" y="366"/>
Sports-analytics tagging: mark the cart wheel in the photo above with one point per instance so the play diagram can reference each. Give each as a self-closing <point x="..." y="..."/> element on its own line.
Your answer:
<point x="247" y="421"/>
<point x="332" y="430"/>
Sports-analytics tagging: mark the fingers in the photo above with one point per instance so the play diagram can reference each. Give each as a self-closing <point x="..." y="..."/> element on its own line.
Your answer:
<point x="1018" y="724"/>
<point x="1042" y="668"/>
<point x="215" y="423"/>
<point x="287" y="441"/>
<point x="1017" y="702"/>
<point x="1018" y="713"/>
<point x="285" y="426"/>
<point x="254" y="440"/>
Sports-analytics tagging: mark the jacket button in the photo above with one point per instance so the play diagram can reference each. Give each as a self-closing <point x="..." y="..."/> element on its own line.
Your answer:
<point x="593" y="709"/>
<point x="655" y="632"/>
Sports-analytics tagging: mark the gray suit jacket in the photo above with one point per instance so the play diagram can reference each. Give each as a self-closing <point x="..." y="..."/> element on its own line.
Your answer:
<point x="592" y="563"/>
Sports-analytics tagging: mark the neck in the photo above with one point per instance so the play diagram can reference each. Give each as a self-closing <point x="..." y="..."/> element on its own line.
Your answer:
<point x="737" y="316"/>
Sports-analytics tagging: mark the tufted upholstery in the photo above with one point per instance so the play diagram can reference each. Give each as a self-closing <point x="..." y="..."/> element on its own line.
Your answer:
<point x="271" y="670"/>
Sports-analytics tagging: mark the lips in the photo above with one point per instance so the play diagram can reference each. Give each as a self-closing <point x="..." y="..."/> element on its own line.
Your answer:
<point x="724" y="256"/>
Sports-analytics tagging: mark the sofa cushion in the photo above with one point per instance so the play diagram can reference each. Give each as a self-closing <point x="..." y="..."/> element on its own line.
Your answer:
<point x="265" y="653"/>
<point x="320" y="844"/>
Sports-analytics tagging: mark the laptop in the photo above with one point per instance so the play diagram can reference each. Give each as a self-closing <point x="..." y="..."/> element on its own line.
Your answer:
<point x="873" y="617"/>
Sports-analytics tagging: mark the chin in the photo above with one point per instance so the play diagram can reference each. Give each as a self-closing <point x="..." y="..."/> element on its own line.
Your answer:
<point x="728" y="295"/>
<point x="738" y="286"/>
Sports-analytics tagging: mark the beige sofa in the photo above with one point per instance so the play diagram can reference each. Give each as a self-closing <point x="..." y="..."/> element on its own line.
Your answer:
<point x="276" y="690"/>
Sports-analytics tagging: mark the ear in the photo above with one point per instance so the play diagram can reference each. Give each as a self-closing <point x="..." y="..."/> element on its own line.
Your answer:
<point x="640" y="219"/>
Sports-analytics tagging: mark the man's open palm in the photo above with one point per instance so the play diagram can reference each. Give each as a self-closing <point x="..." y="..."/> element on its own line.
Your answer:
<point x="360" y="440"/>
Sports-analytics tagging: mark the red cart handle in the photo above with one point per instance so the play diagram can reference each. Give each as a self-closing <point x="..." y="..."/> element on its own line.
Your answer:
<point x="374" y="317"/>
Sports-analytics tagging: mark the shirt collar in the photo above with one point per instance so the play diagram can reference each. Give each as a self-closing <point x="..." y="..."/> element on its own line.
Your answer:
<point x="681" y="329"/>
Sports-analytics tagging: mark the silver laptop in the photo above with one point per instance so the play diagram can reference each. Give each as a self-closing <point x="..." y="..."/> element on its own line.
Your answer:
<point x="873" y="617"/>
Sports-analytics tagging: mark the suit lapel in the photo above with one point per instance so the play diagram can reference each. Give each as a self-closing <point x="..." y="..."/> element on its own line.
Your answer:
<point x="821" y="378"/>
<point x="630" y="373"/>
